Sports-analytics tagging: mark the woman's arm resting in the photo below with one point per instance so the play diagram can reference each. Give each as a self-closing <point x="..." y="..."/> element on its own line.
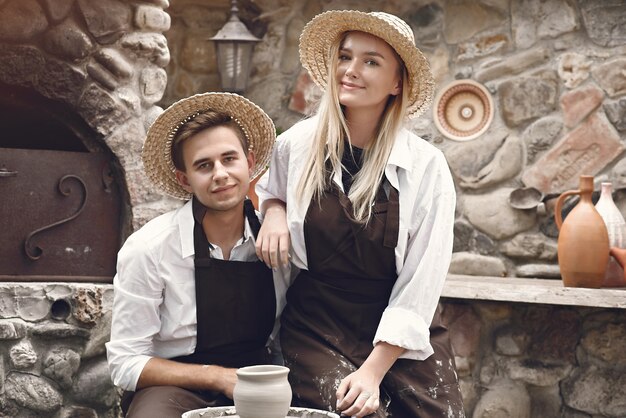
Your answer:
<point x="272" y="244"/>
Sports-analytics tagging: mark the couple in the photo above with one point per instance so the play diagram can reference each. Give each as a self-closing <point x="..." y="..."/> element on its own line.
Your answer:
<point x="367" y="208"/>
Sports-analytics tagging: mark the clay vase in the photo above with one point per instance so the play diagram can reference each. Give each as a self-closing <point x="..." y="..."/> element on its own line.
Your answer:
<point x="616" y="227"/>
<point x="583" y="245"/>
<point x="262" y="392"/>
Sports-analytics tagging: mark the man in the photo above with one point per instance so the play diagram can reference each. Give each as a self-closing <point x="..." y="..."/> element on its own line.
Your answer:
<point x="192" y="301"/>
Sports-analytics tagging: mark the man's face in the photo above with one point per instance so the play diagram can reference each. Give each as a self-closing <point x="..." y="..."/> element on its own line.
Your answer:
<point x="217" y="171"/>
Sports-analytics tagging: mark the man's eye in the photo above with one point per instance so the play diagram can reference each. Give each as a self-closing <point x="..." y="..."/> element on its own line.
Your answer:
<point x="371" y="62"/>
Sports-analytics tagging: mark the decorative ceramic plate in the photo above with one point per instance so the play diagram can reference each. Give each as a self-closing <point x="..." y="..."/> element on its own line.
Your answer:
<point x="229" y="411"/>
<point x="463" y="110"/>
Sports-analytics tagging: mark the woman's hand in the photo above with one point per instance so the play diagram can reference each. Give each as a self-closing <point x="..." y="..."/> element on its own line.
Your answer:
<point x="272" y="244"/>
<point x="358" y="394"/>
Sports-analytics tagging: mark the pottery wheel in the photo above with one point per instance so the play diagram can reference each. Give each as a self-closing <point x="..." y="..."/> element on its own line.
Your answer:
<point x="229" y="411"/>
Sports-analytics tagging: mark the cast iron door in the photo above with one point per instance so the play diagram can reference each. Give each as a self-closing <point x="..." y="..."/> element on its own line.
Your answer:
<point x="59" y="217"/>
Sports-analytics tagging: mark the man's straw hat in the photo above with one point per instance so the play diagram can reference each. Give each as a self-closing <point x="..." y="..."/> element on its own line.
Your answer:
<point x="157" y="158"/>
<point x="324" y="29"/>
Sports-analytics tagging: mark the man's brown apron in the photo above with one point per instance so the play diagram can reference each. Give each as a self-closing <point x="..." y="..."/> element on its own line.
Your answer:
<point x="235" y="310"/>
<point x="334" y="308"/>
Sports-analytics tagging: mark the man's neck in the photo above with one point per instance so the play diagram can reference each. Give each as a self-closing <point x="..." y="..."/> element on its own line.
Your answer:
<point x="224" y="228"/>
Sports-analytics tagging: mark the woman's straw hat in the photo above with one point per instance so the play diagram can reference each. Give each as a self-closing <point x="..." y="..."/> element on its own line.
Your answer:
<point x="324" y="29"/>
<point x="157" y="158"/>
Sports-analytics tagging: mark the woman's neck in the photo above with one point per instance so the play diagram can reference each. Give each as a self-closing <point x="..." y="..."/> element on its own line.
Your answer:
<point x="362" y="126"/>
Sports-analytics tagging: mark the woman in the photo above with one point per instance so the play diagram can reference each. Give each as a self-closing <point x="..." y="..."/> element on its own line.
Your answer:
<point x="370" y="211"/>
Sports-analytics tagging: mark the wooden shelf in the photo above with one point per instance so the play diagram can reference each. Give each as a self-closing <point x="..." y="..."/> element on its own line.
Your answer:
<point x="524" y="290"/>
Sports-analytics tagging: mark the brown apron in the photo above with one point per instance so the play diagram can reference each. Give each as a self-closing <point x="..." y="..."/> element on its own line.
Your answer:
<point x="235" y="309"/>
<point x="334" y="308"/>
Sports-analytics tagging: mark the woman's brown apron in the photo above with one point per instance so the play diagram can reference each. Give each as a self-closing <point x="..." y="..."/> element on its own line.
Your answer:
<point x="235" y="310"/>
<point x="334" y="308"/>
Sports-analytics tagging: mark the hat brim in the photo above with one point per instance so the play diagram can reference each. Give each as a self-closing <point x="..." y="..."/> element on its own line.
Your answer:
<point x="324" y="29"/>
<point x="156" y="155"/>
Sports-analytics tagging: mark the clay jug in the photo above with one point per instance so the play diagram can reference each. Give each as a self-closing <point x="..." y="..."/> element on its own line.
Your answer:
<point x="616" y="227"/>
<point x="262" y="392"/>
<point x="583" y="245"/>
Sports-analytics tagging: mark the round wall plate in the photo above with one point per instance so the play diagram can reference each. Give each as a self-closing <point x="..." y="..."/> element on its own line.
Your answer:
<point x="463" y="110"/>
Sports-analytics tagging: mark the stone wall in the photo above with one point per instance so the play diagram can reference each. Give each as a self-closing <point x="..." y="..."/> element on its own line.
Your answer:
<point x="52" y="354"/>
<point x="539" y="361"/>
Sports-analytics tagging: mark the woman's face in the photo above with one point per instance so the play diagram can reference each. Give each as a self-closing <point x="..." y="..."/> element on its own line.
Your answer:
<point x="367" y="72"/>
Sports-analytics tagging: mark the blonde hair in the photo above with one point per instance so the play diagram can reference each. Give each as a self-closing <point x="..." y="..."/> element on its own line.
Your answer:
<point x="331" y="134"/>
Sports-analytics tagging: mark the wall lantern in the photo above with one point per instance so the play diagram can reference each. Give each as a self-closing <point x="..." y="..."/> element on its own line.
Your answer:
<point x="234" y="44"/>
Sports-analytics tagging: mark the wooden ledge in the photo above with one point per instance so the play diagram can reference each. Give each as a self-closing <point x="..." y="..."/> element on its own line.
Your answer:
<point x="514" y="289"/>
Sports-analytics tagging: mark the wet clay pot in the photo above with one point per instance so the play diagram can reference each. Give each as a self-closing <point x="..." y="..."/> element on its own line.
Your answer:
<point x="262" y="392"/>
<point x="583" y="245"/>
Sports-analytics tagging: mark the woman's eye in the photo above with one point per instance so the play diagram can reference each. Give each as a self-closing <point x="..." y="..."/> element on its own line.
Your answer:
<point x="344" y="58"/>
<point x="371" y="62"/>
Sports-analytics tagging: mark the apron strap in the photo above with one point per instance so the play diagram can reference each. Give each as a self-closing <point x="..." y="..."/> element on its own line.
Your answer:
<point x="253" y="220"/>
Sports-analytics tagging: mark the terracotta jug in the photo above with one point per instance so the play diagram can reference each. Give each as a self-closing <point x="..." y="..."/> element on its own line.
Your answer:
<point x="262" y="392"/>
<point x="583" y="245"/>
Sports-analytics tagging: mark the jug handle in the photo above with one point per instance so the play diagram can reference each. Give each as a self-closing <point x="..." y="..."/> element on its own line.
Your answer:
<point x="558" y="218"/>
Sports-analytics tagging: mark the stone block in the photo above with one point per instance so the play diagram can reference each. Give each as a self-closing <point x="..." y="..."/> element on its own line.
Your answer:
<point x="512" y="65"/>
<point x="68" y="41"/>
<point x="60" y="365"/>
<point x="540" y="136"/>
<point x="616" y="111"/>
<point x="585" y="150"/>
<point x="107" y="20"/>
<point x="508" y="398"/>
<point x="152" y="82"/>
<point x="492" y="214"/>
<point x="527" y="98"/>
<point x="607" y="343"/>
<point x="476" y="265"/>
<point x="605" y="21"/>
<point x="152" y="19"/>
<point x="573" y="68"/>
<point x="578" y="104"/>
<point x="93" y="387"/>
<point x="22" y="20"/>
<point x="152" y="46"/>
<point x="540" y="19"/>
<point x="530" y="246"/>
<point x="22" y="355"/>
<point x="12" y="330"/>
<point x="611" y="76"/>
<point x="33" y="392"/>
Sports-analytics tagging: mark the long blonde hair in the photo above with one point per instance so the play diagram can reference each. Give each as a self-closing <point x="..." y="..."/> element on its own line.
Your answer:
<point x="331" y="134"/>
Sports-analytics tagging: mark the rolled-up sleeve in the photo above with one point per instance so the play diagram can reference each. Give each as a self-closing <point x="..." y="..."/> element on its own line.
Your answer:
<point x="138" y="293"/>
<point x="426" y="246"/>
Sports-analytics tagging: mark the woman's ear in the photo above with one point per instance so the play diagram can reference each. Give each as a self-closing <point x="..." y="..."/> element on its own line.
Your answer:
<point x="397" y="88"/>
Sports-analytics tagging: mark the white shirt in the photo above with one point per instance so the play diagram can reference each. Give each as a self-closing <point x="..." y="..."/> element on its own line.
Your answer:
<point x="427" y="198"/>
<point x="154" y="309"/>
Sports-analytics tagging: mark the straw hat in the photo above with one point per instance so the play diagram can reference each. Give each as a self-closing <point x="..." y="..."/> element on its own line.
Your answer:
<point x="157" y="158"/>
<point x="324" y="29"/>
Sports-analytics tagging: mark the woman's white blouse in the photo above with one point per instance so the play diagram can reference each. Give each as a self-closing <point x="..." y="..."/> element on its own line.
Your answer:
<point x="421" y="175"/>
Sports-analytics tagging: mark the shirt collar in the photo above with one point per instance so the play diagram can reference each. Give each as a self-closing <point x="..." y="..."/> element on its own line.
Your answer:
<point x="186" y="222"/>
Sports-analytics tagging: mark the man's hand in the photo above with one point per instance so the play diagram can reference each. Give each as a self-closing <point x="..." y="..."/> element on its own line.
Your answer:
<point x="272" y="244"/>
<point x="225" y="379"/>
